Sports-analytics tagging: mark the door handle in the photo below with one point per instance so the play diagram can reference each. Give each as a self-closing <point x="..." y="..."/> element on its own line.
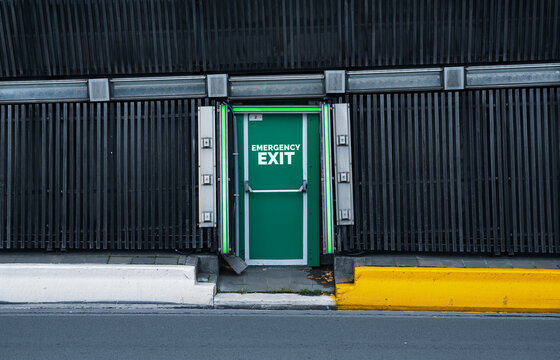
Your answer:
<point x="302" y="189"/>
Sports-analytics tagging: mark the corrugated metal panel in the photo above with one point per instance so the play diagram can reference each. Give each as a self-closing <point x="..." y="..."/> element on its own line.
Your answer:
<point x="474" y="171"/>
<point x="119" y="175"/>
<point x="112" y="37"/>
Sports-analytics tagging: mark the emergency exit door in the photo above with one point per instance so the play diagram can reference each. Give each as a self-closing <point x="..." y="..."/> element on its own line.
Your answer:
<point x="280" y="205"/>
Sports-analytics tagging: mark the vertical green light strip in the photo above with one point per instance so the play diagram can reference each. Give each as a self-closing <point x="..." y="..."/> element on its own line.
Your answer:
<point x="328" y="178"/>
<point x="223" y="133"/>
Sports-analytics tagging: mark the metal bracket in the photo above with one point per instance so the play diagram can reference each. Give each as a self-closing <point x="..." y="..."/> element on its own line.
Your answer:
<point x="206" y="166"/>
<point x="454" y="78"/>
<point x="343" y="165"/>
<point x="217" y="85"/>
<point x="98" y="90"/>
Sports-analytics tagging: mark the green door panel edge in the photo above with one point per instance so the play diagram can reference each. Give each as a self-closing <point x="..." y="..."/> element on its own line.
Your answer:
<point x="313" y="181"/>
<point x="241" y="186"/>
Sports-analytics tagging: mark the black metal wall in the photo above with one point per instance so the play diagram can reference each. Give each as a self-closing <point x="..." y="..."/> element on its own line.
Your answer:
<point x="474" y="171"/>
<point x="100" y="176"/>
<point x="471" y="171"/>
<point x="40" y="38"/>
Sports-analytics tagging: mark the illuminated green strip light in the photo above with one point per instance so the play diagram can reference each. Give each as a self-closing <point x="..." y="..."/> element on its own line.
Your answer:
<point x="224" y="181"/>
<point x="328" y="178"/>
<point x="276" y="109"/>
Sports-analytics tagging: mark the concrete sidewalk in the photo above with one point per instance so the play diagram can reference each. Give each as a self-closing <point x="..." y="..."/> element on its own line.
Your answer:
<point x="381" y="281"/>
<point x="169" y="279"/>
<point x="107" y="278"/>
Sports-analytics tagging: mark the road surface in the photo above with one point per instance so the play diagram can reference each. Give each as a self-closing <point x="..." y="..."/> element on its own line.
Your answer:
<point x="231" y="334"/>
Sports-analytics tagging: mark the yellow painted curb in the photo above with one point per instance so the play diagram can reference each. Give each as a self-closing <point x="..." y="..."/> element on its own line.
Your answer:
<point x="451" y="289"/>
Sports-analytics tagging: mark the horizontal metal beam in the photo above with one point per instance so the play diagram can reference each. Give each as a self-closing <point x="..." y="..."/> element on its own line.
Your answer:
<point x="43" y="91"/>
<point x="280" y="86"/>
<point x="394" y="80"/>
<point x="497" y="76"/>
<point x="158" y="87"/>
<point x="512" y="75"/>
<point x="286" y="86"/>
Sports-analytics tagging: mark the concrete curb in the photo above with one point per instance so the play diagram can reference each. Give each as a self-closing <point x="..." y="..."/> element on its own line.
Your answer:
<point x="451" y="289"/>
<point x="50" y="283"/>
<point x="265" y="301"/>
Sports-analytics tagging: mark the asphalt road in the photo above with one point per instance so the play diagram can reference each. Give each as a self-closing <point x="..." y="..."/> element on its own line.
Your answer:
<point x="215" y="334"/>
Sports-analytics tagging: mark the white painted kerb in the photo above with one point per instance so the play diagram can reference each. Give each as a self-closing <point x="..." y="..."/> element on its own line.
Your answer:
<point x="42" y="283"/>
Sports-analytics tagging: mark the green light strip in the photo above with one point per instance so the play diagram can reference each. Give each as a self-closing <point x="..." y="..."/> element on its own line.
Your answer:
<point x="278" y="109"/>
<point x="328" y="178"/>
<point x="224" y="181"/>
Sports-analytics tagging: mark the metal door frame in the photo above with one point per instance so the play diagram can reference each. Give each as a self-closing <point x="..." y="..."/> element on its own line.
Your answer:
<point x="299" y="110"/>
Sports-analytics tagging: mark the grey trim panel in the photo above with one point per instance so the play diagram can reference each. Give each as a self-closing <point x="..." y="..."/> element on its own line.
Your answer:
<point x="207" y="166"/>
<point x="512" y="76"/>
<point x="391" y="80"/>
<point x="342" y="156"/>
<point x="282" y="86"/>
<point x="158" y="87"/>
<point x="43" y="91"/>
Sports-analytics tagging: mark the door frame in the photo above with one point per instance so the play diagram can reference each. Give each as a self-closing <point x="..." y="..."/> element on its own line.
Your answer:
<point x="299" y="110"/>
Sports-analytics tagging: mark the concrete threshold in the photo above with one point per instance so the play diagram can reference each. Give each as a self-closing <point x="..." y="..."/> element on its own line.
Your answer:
<point x="264" y="301"/>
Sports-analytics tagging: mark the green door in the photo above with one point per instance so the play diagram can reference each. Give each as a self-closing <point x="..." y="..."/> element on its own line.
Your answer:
<point x="280" y="189"/>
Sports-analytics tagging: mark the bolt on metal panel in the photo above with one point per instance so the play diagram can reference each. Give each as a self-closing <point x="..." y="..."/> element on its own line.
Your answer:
<point x="206" y="166"/>
<point x="343" y="165"/>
